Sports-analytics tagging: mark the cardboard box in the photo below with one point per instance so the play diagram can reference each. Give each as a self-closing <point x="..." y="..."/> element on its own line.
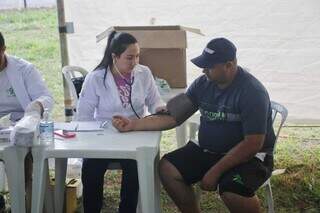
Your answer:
<point x="72" y="192"/>
<point x="162" y="49"/>
<point x="72" y="185"/>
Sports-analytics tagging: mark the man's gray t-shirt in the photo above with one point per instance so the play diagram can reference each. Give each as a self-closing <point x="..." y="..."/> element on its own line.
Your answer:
<point x="227" y="115"/>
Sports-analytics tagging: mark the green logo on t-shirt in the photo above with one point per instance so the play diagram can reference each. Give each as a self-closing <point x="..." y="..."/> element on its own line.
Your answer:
<point x="237" y="178"/>
<point x="215" y="116"/>
<point x="10" y="92"/>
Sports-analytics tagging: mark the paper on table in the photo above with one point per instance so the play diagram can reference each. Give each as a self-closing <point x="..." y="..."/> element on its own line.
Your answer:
<point x="5" y="121"/>
<point x="89" y="126"/>
<point x="5" y="134"/>
<point x="79" y="126"/>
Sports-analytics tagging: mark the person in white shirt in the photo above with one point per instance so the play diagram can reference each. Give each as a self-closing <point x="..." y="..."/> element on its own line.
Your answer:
<point x="21" y="87"/>
<point x="118" y="85"/>
<point x="22" y="91"/>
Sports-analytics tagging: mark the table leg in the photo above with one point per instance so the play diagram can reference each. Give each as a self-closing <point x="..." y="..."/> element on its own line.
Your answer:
<point x="60" y="179"/>
<point x="14" y="164"/>
<point x="181" y="131"/>
<point x="48" y="198"/>
<point x="2" y="177"/>
<point x="157" y="188"/>
<point x="181" y="134"/>
<point x="146" y="157"/>
<point x="40" y="173"/>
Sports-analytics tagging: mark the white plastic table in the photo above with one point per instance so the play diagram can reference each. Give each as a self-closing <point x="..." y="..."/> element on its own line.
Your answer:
<point x="141" y="146"/>
<point x="13" y="157"/>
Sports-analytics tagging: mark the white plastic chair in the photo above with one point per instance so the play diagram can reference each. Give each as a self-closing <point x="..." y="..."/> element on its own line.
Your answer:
<point x="282" y="112"/>
<point x="70" y="72"/>
<point x="278" y="110"/>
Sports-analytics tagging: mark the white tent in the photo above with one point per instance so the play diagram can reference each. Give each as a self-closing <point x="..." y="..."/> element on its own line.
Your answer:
<point x="277" y="40"/>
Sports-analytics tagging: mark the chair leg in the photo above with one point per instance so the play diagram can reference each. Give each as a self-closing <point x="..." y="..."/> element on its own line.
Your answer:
<point x="197" y="191"/>
<point x="269" y="197"/>
<point x="193" y="128"/>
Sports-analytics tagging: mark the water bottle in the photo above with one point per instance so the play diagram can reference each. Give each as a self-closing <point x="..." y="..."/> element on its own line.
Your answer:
<point x="46" y="128"/>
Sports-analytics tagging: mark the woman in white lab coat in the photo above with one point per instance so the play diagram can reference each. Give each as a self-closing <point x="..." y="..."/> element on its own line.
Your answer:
<point x="118" y="86"/>
<point x="22" y="91"/>
<point x="21" y="86"/>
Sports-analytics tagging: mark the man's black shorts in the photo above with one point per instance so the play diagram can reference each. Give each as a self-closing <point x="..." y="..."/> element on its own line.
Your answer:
<point x="193" y="162"/>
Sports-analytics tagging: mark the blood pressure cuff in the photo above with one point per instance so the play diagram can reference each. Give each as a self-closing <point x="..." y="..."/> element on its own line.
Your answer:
<point x="181" y="108"/>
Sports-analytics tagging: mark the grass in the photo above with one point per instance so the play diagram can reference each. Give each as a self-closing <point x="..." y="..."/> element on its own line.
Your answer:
<point x="33" y="35"/>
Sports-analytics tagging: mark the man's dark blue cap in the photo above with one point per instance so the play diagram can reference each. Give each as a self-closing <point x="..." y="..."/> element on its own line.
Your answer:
<point x="218" y="50"/>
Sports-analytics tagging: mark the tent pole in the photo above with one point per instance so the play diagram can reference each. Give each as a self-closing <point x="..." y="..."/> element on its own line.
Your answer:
<point x="68" y="108"/>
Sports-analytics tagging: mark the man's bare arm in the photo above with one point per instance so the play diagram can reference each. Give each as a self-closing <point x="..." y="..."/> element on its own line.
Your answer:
<point x="153" y="122"/>
<point x="241" y="153"/>
<point x="177" y="111"/>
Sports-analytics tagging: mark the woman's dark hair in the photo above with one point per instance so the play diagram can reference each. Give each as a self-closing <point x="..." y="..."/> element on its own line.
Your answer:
<point x="118" y="42"/>
<point x="1" y="40"/>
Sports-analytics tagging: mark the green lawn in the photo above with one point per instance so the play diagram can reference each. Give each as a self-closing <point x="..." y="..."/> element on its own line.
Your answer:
<point x="33" y="35"/>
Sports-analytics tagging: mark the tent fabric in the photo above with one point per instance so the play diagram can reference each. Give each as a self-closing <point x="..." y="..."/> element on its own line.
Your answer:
<point x="277" y="40"/>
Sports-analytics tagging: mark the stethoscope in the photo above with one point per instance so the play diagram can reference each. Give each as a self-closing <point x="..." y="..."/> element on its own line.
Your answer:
<point x="130" y="87"/>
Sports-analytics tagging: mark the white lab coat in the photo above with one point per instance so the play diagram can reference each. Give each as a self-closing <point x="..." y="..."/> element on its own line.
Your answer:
<point x="27" y="83"/>
<point x="97" y="102"/>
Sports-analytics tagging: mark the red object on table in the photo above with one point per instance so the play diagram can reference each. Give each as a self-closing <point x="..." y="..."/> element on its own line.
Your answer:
<point x="64" y="134"/>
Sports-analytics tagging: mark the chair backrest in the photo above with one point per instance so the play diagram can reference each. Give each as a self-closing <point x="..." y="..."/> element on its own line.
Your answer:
<point x="280" y="111"/>
<point x="71" y="73"/>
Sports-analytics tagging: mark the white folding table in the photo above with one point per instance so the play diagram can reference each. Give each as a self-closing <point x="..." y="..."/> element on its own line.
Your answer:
<point x="142" y="146"/>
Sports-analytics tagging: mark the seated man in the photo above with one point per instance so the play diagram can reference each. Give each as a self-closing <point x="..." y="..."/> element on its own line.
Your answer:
<point x="236" y="138"/>
<point x="22" y="90"/>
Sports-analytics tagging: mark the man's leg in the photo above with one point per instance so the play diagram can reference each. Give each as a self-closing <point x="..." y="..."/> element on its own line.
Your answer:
<point x="182" y="168"/>
<point x="237" y="187"/>
<point x="235" y="202"/>
<point x="181" y="193"/>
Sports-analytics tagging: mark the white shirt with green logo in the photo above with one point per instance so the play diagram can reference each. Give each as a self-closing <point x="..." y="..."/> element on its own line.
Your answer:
<point x="9" y="102"/>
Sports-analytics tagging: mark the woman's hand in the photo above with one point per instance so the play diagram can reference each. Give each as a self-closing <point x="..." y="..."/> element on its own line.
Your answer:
<point x="122" y="124"/>
<point x="34" y="107"/>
